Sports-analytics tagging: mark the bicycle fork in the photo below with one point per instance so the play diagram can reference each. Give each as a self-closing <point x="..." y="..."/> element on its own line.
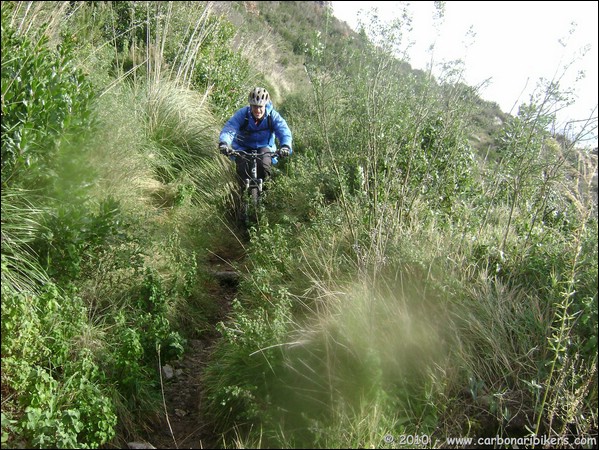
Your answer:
<point x="259" y="185"/>
<point x="254" y="178"/>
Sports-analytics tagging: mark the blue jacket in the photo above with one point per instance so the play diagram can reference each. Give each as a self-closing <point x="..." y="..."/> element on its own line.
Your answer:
<point x="256" y="136"/>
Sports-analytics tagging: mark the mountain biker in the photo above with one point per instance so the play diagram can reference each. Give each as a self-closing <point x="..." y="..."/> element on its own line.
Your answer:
<point x="255" y="127"/>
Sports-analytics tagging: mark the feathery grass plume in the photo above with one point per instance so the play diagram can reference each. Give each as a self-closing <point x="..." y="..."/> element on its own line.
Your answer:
<point x="367" y="353"/>
<point x="178" y="117"/>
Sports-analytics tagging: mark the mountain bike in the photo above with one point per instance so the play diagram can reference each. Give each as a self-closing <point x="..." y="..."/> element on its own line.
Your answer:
<point x="252" y="187"/>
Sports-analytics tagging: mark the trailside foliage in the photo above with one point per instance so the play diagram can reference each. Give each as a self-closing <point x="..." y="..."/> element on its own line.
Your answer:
<point x="44" y="99"/>
<point x="395" y="284"/>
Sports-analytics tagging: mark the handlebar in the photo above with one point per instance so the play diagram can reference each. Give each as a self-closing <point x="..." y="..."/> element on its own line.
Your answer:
<point x="254" y="152"/>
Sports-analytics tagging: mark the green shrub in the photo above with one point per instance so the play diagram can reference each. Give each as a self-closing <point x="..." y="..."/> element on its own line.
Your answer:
<point x="43" y="98"/>
<point x="61" y="392"/>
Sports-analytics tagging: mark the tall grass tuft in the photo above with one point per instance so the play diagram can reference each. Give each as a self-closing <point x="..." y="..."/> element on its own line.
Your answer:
<point x="21" y="221"/>
<point x="372" y="352"/>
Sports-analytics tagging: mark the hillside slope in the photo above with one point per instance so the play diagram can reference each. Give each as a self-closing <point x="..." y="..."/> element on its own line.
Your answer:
<point x="276" y="36"/>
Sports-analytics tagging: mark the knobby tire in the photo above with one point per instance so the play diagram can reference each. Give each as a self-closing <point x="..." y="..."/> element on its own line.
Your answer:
<point x="254" y="198"/>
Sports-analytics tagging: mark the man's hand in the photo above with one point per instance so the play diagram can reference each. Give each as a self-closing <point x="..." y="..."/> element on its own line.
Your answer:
<point x="224" y="149"/>
<point x="285" y="151"/>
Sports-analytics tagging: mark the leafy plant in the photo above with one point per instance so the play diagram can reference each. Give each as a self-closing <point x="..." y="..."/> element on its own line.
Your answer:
<point x="43" y="98"/>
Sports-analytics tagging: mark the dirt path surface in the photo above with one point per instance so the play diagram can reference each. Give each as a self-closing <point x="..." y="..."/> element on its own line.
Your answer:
<point x="182" y="426"/>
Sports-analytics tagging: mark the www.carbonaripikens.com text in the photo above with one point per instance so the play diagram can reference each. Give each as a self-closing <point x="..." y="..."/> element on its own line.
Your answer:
<point x="590" y="442"/>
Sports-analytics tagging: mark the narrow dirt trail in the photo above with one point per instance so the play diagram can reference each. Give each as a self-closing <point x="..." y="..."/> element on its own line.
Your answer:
<point x="182" y="426"/>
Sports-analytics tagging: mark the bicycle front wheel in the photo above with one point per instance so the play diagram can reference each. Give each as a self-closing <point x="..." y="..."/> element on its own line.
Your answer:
<point x="248" y="212"/>
<point x="255" y="197"/>
<point x="253" y="203"/>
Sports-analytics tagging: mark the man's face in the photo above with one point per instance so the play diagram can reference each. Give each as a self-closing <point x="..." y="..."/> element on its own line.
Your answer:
<point x="257" y="111"/>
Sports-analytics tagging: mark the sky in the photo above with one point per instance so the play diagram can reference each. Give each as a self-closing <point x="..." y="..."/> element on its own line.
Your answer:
<point x="511" y="43"/>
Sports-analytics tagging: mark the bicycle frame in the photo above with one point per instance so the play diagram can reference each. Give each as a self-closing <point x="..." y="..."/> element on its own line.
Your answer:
<point x="253" y="186"/>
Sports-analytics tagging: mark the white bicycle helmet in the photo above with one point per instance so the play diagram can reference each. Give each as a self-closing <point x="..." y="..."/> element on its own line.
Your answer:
<point x="259" y="97"/>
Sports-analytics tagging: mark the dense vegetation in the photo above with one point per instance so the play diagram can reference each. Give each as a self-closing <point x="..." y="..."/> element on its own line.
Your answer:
<point x="424" y="264"/>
